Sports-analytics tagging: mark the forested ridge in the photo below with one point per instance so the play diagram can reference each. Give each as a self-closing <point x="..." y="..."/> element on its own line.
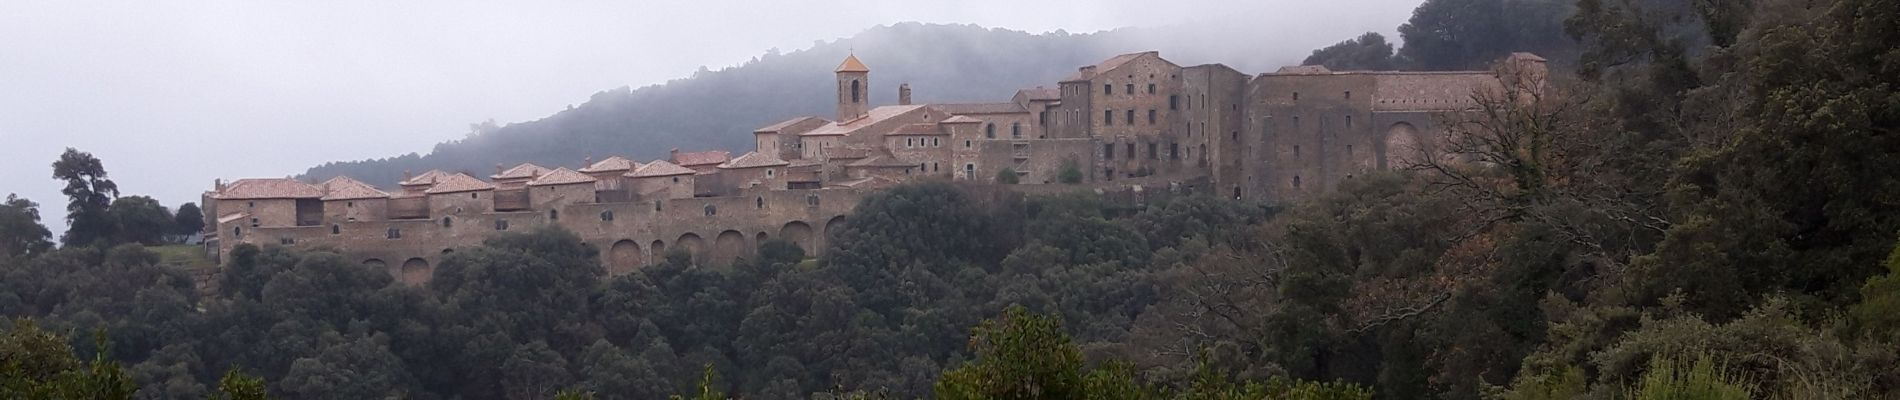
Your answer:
<point x="1700" y="205"/>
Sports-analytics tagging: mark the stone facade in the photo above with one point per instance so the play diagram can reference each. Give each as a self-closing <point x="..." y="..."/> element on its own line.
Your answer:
<point x="1134" y="121"/>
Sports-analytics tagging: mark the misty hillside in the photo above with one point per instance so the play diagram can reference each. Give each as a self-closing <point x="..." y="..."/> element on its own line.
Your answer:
<point x="719" y="109"/>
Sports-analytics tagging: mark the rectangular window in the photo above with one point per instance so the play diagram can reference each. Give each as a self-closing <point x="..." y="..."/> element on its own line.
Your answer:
<point x="501" y="224"/>
<point x="1151" y="116"/>
<point x="1174" y="151"/>
<point x="1131" y="117"/>
<point x="1130" y="89"/>
<point x="1131" y="151"/>
<point x="1108" y="117"/>
<point x="1151" y="88"/>
<point x="1174" y="102"/>
<point x="1108" y="89"/>
<point x="1154" y="152"/>
<point x="1349" y="120"/>
<point x="1108" y="151"/>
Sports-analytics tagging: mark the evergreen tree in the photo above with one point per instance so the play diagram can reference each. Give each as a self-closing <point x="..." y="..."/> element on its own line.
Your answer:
<point x="90" y="195"/>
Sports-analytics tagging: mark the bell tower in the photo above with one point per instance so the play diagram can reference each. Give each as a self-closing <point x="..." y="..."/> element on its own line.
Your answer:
<point x="854" y="89"/>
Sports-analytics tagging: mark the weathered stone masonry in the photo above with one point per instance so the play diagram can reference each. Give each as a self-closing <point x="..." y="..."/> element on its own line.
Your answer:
<point x="1133" y="120"/>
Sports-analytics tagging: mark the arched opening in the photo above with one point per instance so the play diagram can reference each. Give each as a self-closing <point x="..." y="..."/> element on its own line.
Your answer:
<point x="554" y="215"/>
<point x="989" y="131"/>
<point x="832" y="227"/>
<point x="376" y="264"/>
<point x="415" y="272"/>
<point x="761" y="238"/>
<point x="728" y="247"/>
<point x="336" y="229"/>
<point x="623" y="257"/>
<point x="799" y="233"/>
<point x="760" y="202"/>
<point x="693" y="245"/>
<point x="854" y="92"/>
<point x="659" y="251"/>
<point x="447" y="251"/>
<point x="447" y="223"/>
<point x="1402" y="146"/>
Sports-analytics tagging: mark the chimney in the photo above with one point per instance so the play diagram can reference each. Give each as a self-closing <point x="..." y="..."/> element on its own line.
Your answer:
<point x="903" y="94"/>
<point x="587" y="162"/>
<point x="497" y="168"/>
<point x="674" y="155"/>
<point x="218" y="183"/>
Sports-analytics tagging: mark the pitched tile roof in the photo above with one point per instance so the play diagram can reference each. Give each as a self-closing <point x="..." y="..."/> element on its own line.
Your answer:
<point x="659" y="168"/>
<point x="458" y="183"/>
<point x="344" y="188"/>
<point x="270" y="188"/>
<point x="983" y="108"/>
<point x="523" y="171"/>
<point x="561" y="176"/>
<point x="692" y="158"/>
<point x="1041" y="93"/>
<point x="876" y="115"/>
<point x="1304" y="70"/>
<point x="880" y="161"/>
<point x="427" y="178"/>
<point x="754" y="160"/>
<point x="874" y="181"/>
<point x="851" y="64"/>
<point x="1110" y="64"/>
<point x="615" y="163"/>
<point x="784" y="124"/>
<point x="960" y="120"/>
<point x="917" y="130"/>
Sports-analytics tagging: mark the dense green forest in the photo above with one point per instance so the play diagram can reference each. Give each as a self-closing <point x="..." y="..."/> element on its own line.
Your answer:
<point x="1701" y="205"/>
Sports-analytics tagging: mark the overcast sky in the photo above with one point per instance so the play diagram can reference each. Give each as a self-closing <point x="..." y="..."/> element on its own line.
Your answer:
<point x="172" y="94"/>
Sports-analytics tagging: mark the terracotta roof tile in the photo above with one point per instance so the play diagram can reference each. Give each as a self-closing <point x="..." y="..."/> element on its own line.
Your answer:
<point x="880" y="161"/>
<point x="1041" y="93"/>
<point x="961" y="120"/>
<point x="851" y="64"/>
<point x="522" y="171"/>
<point x="270" y="188"/>
<point x="784" y="124"/>
<point x="458" y="183"/>
<point x="1106" y="65"/>
<point x="561" y="176"/>
<point x="427" y="178"/>
<point x="344" y="188"/>
<point x="693" y="158"/>
<point x="871" y="118"/>
<point x="1304" y="70"/>
<point x="983" y="108"/>
<point x="615" y="163"/>
<point x="753" y="160"/>
<point x="659" y="168"/>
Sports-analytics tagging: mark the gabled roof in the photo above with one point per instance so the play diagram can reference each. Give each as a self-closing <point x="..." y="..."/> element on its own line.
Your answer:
<point x="659" y="168"/>
<point x="458" y="183"/>
<point x="1304" y="70"/>
<point x="561" y="176"/>
<point x="983" y="108"/>
<point x="1111" y="63"/>
<point x="615" y="163"/>
<point x="270" y="188"/>
<point x="344" y="188"/>
<point x="427" y="178"/>
<point x="783" y="124"/>
<point x="1041" y="93"/>
<point x="960" y="120"/>
<point x="880" y="161"/>
<point x="693" y="158"/>
<point x="917" y="130"/>
<point x="753" y="160"/>
<point x="878" y="114"/>
<point x="851" y="64"/>
<point x="523" y="171"/>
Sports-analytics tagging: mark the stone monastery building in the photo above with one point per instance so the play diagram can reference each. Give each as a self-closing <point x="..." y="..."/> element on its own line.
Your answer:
<point x="1131" y="121"/>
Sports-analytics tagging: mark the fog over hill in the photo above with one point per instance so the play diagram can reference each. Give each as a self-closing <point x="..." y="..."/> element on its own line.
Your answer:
<point x="717" y="109"/>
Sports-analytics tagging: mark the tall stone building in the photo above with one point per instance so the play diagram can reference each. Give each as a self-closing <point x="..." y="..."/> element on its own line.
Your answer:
<point x="1130" y="122"/>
